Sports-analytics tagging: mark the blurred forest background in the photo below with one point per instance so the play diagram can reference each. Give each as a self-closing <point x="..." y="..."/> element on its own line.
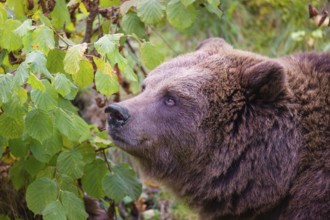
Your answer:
<point x="270" y="27"/>
<point x="65" y="60"/>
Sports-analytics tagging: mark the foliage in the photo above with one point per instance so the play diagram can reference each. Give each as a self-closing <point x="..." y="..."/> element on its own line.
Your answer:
<point x="50" y="51"/>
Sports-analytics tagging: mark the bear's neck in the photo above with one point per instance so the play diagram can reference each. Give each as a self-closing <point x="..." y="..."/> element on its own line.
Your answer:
<point x="255" y="166"/>
<point x="248" y="173"/>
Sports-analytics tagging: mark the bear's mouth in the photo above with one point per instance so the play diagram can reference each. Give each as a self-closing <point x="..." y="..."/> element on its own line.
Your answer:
<point x="132" y="146"/>
<point x="118" y="139"/>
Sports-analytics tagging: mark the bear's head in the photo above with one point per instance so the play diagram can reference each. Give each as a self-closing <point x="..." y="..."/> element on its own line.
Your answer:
<point x="216" y="126"/>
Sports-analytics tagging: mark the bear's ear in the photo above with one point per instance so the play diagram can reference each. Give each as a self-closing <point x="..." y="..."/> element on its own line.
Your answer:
<point x="214" y="45"/>
<point x="264" y="81"/>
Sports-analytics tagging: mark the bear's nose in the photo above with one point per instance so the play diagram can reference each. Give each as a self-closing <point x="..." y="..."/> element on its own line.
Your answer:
<point x="118" y="115"/>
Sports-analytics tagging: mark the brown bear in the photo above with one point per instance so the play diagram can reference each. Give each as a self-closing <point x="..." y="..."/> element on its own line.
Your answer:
<point x="235" y="134"/>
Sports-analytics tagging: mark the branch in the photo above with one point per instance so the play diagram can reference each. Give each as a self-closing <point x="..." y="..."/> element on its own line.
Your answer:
<point x="93" y="8"/>
<point x="30" y="4"/>
<point x="47" y="6"/>
<point x="72" y="10"/>
<point x="134" y="52"/>
<point x="14" y="60"/>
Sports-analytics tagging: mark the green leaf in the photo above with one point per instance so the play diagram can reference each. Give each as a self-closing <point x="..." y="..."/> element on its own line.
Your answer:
<point x="64" y="123"/>
<point x="18" y="175"/>
<point x="22" y="74"/>
<point x="3" y="54"/>
<point x="12" y="41"/>
<point x="81" y="131"/>
<point x="187" y="2"/>
<point x="11" y="127"/>
<point x="67" y="183"/>
<point x="3" y="14"/>
<point x="179" y="16"/>
<point x="3" y="143"/>
<point x="54" y="211"/>
<point x="55" y="61"/>
<point x="43" y="39"/>
<point x="48" y="172"/>
<point x="106" y="84"/>
<point x="39" y="125"/>
<point x="73" y="206"/>
<point x="18" y="147"/>
<point x="132" y="24"/>
<point x="214" y="3"/>
<point x="73" y="57"/>
<point x="92" y="179"/>
<point x="46" y="150"/>
<point x="150" y="11"/>
<point x="4" y="217"/>
<point x="67" y="105"/>
<point x="70" y="163"/>
<point x="105" y="79"/>
<point x="14" y="108"/>
<point x="85" y="75"/>
<point x="62" y="84"/>
<point x="6" y="81"/>
<point x="24" y="28"/>
<point x="44" y="20"/>
<point x="150" y="55"/>
<point x="71" y="125"/>
<point x="129" y="74"/>
<point x="36" y="83"/>
<point x="109" y="3"/>
<point x="40" y="193"/>
<point x="127" y="5"/>
<point x="116" y="57"/>
<point x="37" y="61"/>
<point x="27" y="42"/>
<point x="45" y="100"/>
<point x="213" y="7"/>
<point x="87" y="151"/>
<point x="73" y="92"/>
<point x="298" y="35"/>
<point x="101" y="140"/>
<point x="60" y="15"/>
<point x="126" y="70"/>
<point x="18" y="8"/>
<point x="317" y="34"/>
<point x="22" y="95"/>
<point x="105" y="45"/>
<point x="121" y="183"/>
<point x="33" y="166"/>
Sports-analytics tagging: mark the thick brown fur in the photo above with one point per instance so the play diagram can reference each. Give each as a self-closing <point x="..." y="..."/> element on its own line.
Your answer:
<point x="247" y="138"/>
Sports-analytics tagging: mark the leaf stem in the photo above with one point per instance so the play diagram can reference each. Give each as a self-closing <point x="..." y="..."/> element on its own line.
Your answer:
<point x="106" y="159"/>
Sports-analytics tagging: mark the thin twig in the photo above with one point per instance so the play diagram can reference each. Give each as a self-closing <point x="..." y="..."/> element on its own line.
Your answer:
<point x="165" y="41"/>
<point x="134" y="52"/>
<point x="106" y="160"/>
<point x="62" y="38"/>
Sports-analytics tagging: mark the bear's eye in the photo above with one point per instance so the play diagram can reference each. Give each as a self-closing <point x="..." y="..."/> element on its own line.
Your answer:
<point x="169" y="101"/>
<point x="143" y="87"/>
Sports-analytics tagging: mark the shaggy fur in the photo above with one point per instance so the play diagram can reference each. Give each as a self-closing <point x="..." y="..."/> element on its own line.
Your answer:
<point x="247" y="137"/>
